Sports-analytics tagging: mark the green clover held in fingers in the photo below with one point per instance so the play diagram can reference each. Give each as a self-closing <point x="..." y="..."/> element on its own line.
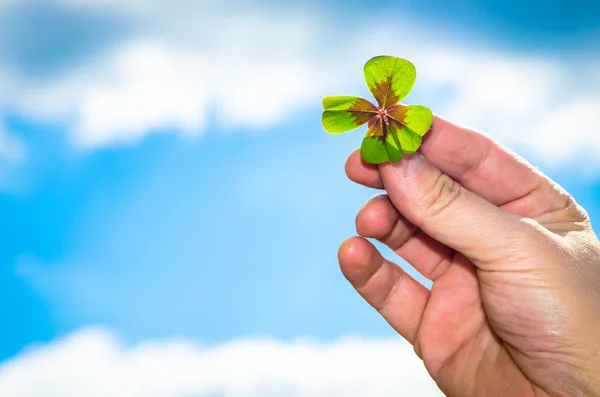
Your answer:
<point x="393" y="129"/>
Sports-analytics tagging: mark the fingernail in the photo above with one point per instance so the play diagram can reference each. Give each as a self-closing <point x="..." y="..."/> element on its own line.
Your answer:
<point x="409" y="166"/>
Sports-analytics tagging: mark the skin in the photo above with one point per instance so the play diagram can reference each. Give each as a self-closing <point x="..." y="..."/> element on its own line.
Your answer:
<point x="515" y="305"/>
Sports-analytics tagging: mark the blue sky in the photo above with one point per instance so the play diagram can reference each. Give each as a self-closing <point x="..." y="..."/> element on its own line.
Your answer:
<point x="164" y="174"/>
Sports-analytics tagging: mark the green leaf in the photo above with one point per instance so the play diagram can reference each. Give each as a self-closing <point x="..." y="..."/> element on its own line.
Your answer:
<point x="389" y="79"/>
<point x="345" y="113"/>
<point x="394" y="129"/>
<point x="409" y="140"/>
<point x="380" y="145"/>
<point x="416" y="117"/>
<point x="373" y="149"/>
<point x="392" y="144"/>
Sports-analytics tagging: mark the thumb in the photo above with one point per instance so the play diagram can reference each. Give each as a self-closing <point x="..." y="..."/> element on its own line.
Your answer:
<point x="455" y="216"/>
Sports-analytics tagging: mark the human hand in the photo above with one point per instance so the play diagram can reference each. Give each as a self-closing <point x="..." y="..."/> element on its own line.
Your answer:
<point x="515" y="305"/>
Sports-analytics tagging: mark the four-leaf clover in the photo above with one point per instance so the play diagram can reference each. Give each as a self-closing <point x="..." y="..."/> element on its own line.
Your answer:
<point x="393" y="129"/>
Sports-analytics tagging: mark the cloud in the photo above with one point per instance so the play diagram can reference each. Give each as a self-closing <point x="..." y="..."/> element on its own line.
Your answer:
<point x="145" y="87"/>
<point x="251" y="76"/>
<point x="527" y="102"/>
<point x="93" y="362"/>
<point x="254" y="67"/>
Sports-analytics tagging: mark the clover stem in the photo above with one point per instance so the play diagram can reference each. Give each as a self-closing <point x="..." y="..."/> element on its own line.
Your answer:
<point x="383" y="113"/>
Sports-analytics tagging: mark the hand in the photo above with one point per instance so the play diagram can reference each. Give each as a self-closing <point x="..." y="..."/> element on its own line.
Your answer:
<point x="515" y="305"/>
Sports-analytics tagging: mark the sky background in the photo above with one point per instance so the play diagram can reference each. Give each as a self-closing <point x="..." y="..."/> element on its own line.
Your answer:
<point x="171" y="208"/>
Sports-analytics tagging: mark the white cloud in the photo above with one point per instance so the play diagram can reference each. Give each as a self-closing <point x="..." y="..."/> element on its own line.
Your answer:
<point x="251" y="76"/>
<point x="570" y="131"/>
<point x="145" y="87"/>
<point x="93" y="363"/>
<point x="254" y="67"/>
<point x="527" y="102"/>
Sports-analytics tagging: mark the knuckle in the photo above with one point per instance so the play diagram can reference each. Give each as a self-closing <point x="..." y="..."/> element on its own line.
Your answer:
<point x="528" y="232"/>
<point x="528" y="225"/>
<point x="526" y="247"/>
<point x="390" y="294"/>
<point x="569" y="209"/>
<point x="442" y="195"/>
<point x="577" y="212"/>
<point x="531" y="238"/>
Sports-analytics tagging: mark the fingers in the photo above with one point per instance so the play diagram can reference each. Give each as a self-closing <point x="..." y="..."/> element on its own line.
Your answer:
<point x="380" y="220"/>
<point x="480" y="165"/>
<point x="551" y="206"/>
<point x="399" y="298"/>
<point x="361" y="172"/>
<point x="456" y="217"/>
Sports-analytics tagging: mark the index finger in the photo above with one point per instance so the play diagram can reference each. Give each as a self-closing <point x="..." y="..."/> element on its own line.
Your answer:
<point x="471" y="158"/>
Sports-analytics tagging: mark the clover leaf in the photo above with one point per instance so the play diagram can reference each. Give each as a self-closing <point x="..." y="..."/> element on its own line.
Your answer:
<point x="393" y="129"/>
